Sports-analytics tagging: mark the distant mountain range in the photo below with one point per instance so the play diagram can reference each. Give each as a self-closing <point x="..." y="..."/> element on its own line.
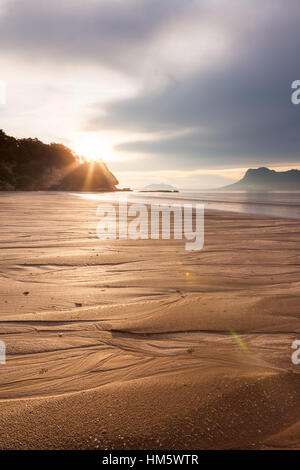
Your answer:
<point x="264" y="179"/>
<point x="31" y="165"/>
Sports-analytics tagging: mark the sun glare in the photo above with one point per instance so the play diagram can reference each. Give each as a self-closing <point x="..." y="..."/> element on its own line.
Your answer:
<point x="93" y="149"/>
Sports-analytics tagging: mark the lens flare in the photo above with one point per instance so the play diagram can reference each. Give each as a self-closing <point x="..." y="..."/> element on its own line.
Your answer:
<point x="240" y="342"/>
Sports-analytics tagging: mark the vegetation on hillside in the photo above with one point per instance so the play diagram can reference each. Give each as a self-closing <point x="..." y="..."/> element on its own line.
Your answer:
<point x="29" y="164"/>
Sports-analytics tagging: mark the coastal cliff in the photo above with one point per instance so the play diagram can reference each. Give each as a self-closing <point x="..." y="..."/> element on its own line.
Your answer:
<point x="264" y="179"/>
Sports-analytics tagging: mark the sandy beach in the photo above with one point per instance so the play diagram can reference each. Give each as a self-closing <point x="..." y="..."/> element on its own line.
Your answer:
<point x="141" y="344"/>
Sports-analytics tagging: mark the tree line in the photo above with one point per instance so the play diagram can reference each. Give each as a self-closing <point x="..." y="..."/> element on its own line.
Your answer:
<point x="30" y="165"/>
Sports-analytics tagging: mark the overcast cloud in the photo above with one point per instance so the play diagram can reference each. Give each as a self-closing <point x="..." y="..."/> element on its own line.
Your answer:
<point x="171" y="85"/>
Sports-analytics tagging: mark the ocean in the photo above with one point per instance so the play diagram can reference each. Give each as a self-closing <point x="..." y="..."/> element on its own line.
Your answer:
<point x="269" y="203"/>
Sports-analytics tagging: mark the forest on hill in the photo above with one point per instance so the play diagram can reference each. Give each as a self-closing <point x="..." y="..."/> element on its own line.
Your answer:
<point x="31" y="165"/>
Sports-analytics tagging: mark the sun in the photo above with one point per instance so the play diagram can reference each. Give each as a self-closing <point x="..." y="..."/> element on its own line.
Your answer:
<point x="93" y="149"/>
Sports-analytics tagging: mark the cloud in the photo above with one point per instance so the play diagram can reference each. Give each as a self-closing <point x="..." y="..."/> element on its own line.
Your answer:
<point x="191" y="83"/>
<point x="110" y="32"/>
<point x="237" y="110"/>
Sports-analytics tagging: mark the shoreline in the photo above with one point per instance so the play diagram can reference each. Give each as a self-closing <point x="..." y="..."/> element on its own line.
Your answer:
<point x="116" y="342"/>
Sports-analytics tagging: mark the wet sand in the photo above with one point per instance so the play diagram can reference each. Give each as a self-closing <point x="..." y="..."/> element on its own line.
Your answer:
<point x="129" y="344"/>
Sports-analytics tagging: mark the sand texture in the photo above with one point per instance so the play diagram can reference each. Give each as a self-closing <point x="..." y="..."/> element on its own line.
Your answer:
<point x="129" y="344"/>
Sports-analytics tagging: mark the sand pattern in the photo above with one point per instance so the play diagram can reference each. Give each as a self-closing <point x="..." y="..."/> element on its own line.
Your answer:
<point x="141" y="344"/>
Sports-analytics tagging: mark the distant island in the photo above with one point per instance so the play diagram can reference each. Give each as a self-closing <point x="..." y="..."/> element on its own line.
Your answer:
<point x="264" y="179"/>
<point x="31" y="165"/>
<point x="160" y="187"/>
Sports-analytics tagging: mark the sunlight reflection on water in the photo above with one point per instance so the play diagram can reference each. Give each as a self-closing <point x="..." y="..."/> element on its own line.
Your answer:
<point x="272" y="203"/>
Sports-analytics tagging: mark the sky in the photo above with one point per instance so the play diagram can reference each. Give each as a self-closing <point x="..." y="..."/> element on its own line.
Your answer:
<point x="185" y="92"/>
